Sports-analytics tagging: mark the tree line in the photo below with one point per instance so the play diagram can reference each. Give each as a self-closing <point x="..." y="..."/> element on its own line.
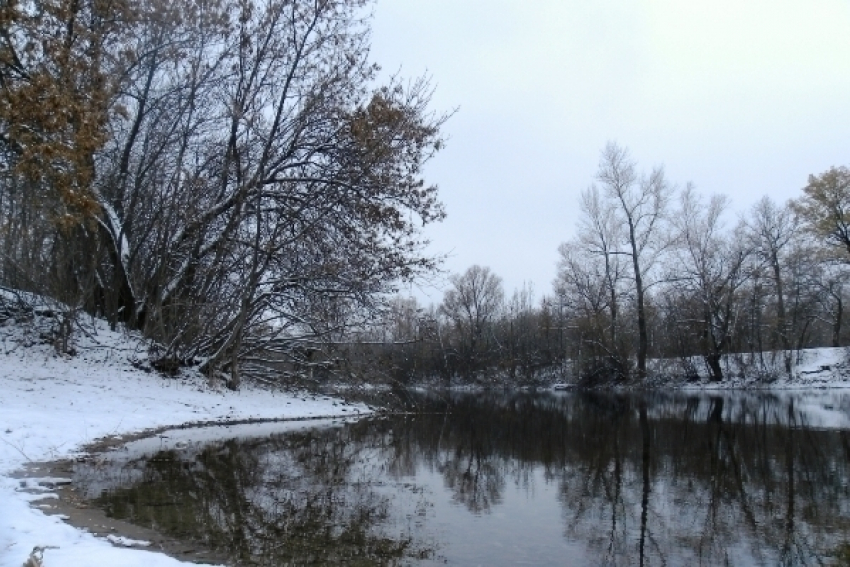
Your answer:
<point x="229" y="177"/>
<point x="653" y="271"/>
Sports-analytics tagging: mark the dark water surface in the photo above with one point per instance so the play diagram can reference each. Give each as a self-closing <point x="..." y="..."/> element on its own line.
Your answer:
<point x="508" y="479"/>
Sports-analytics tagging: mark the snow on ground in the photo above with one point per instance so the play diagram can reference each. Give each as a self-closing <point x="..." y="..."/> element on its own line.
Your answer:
<point x="827" y="367"/>
<point x="51" y="406"/>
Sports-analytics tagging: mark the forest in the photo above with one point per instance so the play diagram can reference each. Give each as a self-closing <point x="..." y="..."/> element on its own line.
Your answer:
<point x="232" y="180"/>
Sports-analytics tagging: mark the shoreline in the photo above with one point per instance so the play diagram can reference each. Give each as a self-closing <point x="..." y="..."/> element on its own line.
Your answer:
<point x="44" y="487"/>
<point x="75" y="511"/>
<point x="54" y="408"/>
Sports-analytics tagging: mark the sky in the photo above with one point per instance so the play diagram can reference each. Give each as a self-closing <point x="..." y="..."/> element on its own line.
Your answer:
<point x="742" y="97"/>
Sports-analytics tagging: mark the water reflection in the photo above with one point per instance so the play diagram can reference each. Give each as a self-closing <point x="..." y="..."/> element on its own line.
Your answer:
<point x="304" y="498"/>
<point x="505" y="479"/>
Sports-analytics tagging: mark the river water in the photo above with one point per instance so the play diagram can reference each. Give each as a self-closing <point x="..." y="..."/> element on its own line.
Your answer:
<point x="507" y="479"/>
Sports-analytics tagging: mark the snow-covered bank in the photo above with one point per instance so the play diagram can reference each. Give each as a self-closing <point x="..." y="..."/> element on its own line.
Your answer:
<point x="827" y="367"/>
<point x="50" y="407"/>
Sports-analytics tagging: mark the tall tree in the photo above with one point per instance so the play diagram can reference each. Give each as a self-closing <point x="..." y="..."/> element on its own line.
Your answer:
<point x="590" y="282"/>
<point x="771" y="229"/>
<point x="248" y="188"/>
<point x="641" y="205"/>
<point x="709" y="266"/>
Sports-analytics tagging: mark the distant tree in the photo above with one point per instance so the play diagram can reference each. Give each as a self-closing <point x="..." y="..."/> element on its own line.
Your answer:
<point x="825" y="207"/>
<point x="806" y="285"/>
<point x="829" y="279"/>
<point x="519" y="333"/>
<point x="589" y="287"/>
<point x="772" y="228"/>
<point x="601" y="235"/>
<point x="471" y="305"/>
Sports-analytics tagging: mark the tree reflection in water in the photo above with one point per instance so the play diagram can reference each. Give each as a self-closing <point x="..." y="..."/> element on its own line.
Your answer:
<point x="297" y="499"/>
<point x="641" y="480"/>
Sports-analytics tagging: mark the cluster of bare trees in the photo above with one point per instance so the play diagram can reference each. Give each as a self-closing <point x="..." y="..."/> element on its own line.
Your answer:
<point x="653" y="271"/>
<point x="667" y="273"/>
<point x="475" y="333"/>
<point x="223" y="175"/>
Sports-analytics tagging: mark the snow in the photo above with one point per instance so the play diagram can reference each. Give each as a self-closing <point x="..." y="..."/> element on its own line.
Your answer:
<point x="825" y="367"/>
<point x="52" y="406"/>
<point x="126" y="542"/>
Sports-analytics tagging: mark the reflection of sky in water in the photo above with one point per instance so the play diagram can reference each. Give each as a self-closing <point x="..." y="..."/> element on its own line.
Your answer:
<point x="525" y="528"/>
<point x="524" y="479"/>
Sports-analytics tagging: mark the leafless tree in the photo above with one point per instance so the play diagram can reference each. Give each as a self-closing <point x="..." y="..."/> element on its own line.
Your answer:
<point x="709" y="265"/>
<point x="590" y="287"/>
<point x="772" y="229"/>
<point x="519" y="334"/>
<point x="641" y="204"/>
<point x="828" y="276"/>
<point x="472" y="305"/>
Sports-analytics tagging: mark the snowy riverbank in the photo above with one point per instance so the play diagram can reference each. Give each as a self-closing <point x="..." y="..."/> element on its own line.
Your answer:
<point x="826" y="367"/>
<point x="51" y="407"/>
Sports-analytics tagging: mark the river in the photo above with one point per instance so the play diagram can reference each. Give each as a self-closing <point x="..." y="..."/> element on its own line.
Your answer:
<point x="507" y="479"/>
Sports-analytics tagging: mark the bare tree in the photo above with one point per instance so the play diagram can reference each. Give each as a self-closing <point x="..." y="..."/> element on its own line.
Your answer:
<point x="519" y="333"/>
<point x="771" y="229"/>
<point x="590" y="286"/>
<point x="828" y="276"/>
<point x="601" y="235"/>
<point x="709" y="265"/>
<point x="641" y="204"/>
<point x="471" y="305"/>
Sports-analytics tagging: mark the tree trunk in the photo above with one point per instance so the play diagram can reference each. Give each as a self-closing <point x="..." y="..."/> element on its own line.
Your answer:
<point x="781" y="323"/>
<point x="643" y="340"/>
<point x="836" y="325"/>
<point x="713" y="361"/>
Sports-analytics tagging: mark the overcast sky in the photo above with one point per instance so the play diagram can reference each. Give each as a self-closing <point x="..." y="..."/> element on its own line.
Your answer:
<point x="743" y="97"/>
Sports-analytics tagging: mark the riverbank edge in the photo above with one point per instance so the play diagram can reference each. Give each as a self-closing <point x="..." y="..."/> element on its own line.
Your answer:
<point x="59" y="408"/>
<point x="76" y="512"/>
<point x="811" y="368"/>
<point x="67" y="506"/>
